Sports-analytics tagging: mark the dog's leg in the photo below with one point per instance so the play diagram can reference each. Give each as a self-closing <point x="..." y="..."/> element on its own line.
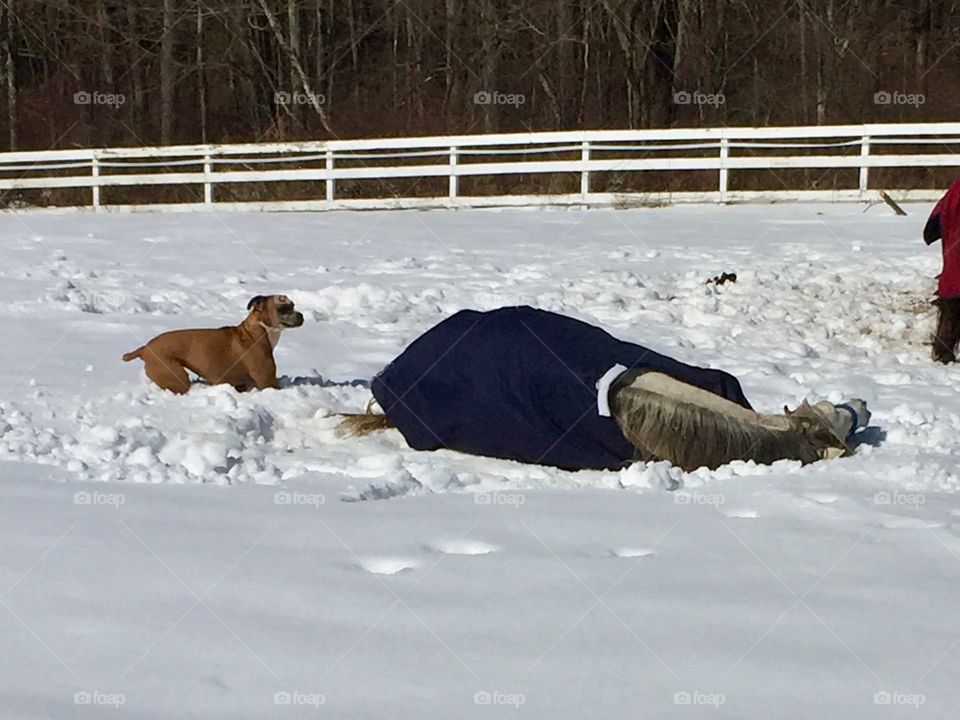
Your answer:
<point x="264" y="374"/>
<point x="166" y="372"/>
<point x="267" y="382"/>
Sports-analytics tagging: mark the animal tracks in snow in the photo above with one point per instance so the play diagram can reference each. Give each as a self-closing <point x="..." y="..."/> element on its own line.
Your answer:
<point x="909" y="523"/>
<point x="823" y="498"/>
<point x="631" y="552"/>
<point x="387" y="565"/>
<point x="394" y="564"/>
<point x="464" y="547"/>
<point x="740" y="513"/>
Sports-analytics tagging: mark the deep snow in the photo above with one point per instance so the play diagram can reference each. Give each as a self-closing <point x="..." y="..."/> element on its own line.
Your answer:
<point x="464" y="586"/>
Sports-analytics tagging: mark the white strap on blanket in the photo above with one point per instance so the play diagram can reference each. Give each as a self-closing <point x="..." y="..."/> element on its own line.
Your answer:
<point x="603" y="388"/>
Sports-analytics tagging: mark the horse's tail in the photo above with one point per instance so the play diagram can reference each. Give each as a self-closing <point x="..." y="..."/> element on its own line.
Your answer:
<point x="134" y="354"/>
<point x="360" y="424"/>
<point x="365" y="423"/>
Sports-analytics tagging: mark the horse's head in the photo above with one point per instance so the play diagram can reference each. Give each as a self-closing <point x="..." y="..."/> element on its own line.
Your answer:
<point x="830" y="426"/>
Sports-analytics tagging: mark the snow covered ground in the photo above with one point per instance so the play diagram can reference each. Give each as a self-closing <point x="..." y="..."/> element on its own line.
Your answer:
<point x="228" y="556"/>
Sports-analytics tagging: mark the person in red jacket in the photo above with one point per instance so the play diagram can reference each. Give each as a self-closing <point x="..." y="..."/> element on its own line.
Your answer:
<point x="944" y="223"/>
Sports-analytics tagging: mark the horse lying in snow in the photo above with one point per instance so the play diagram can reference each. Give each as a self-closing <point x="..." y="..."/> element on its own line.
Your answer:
<point x="537" y="387"/>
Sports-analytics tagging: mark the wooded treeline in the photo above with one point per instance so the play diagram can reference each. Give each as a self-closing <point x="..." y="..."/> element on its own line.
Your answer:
<point x="139" y="72"/>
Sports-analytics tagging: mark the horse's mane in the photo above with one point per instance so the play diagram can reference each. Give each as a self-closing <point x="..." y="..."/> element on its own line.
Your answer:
<point x="671" y="420"/>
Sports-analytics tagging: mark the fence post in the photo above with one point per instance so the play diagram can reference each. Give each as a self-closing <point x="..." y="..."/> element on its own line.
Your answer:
<point x="95" y="174"/>
<point x="452" y="191"/>
<point x="724" y="154"/>
<point x="864" y="169"/>
<point x="207" y="184"/>
<point x="330" y="185"/>
<point x="584" y="172"/>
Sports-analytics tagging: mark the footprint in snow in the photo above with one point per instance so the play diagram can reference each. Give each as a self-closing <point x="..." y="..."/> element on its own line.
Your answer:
<point x="906" y="523"/>
<point x="387" y="565"/>
<point x="631" y="552"/>
<point x="740" y="513"/>
<point x="464" y="547"/>
<point x="821" y="497"/>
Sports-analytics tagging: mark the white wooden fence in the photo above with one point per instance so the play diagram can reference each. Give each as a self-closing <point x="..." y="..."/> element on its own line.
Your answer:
<point x="587" y="154"/>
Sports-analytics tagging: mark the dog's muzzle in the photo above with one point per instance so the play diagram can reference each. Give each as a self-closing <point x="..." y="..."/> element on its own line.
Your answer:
<point x="292" y="320"/>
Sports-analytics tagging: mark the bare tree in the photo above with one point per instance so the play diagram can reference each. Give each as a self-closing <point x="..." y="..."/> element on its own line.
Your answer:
<point x="296" y="68"/>
<point x="208" y="70"/>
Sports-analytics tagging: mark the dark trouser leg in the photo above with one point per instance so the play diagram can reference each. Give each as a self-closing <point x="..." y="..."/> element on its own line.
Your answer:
<point x="948" y="330"/>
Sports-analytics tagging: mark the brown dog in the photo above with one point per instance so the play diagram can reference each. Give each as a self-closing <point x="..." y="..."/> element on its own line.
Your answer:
<point x="240" y="355"/>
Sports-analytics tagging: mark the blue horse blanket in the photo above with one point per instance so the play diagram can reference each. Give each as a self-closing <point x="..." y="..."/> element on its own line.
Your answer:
<point x="521" y="383"/>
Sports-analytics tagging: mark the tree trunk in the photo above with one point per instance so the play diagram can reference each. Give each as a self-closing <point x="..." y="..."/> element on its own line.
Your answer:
<point x="821" y="90"/>
<point x="453" y="93"/>
<point x="584" y="66"/>
<point x="201" y="79"/>
<point x="133" y="65"/>
<point x="564" y="110"/>
<point x="488" y="63"/>
<point x="803" y="65"/>
<point x="9" y="43"/>
<point x="293" y="40"/>
<point x="166" y="75"/>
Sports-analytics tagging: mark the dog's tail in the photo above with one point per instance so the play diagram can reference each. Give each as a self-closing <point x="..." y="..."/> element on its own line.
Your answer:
<point x="133" y="355"/>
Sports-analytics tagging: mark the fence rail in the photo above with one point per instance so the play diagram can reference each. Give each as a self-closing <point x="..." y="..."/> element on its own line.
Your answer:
<point x="590" y="155"/>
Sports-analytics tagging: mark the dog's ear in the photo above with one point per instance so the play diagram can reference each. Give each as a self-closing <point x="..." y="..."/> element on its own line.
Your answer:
<point x="257" y="303"/>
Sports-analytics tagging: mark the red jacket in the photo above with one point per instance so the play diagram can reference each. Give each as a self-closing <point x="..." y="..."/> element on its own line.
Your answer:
<point x="944" y="222"/>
